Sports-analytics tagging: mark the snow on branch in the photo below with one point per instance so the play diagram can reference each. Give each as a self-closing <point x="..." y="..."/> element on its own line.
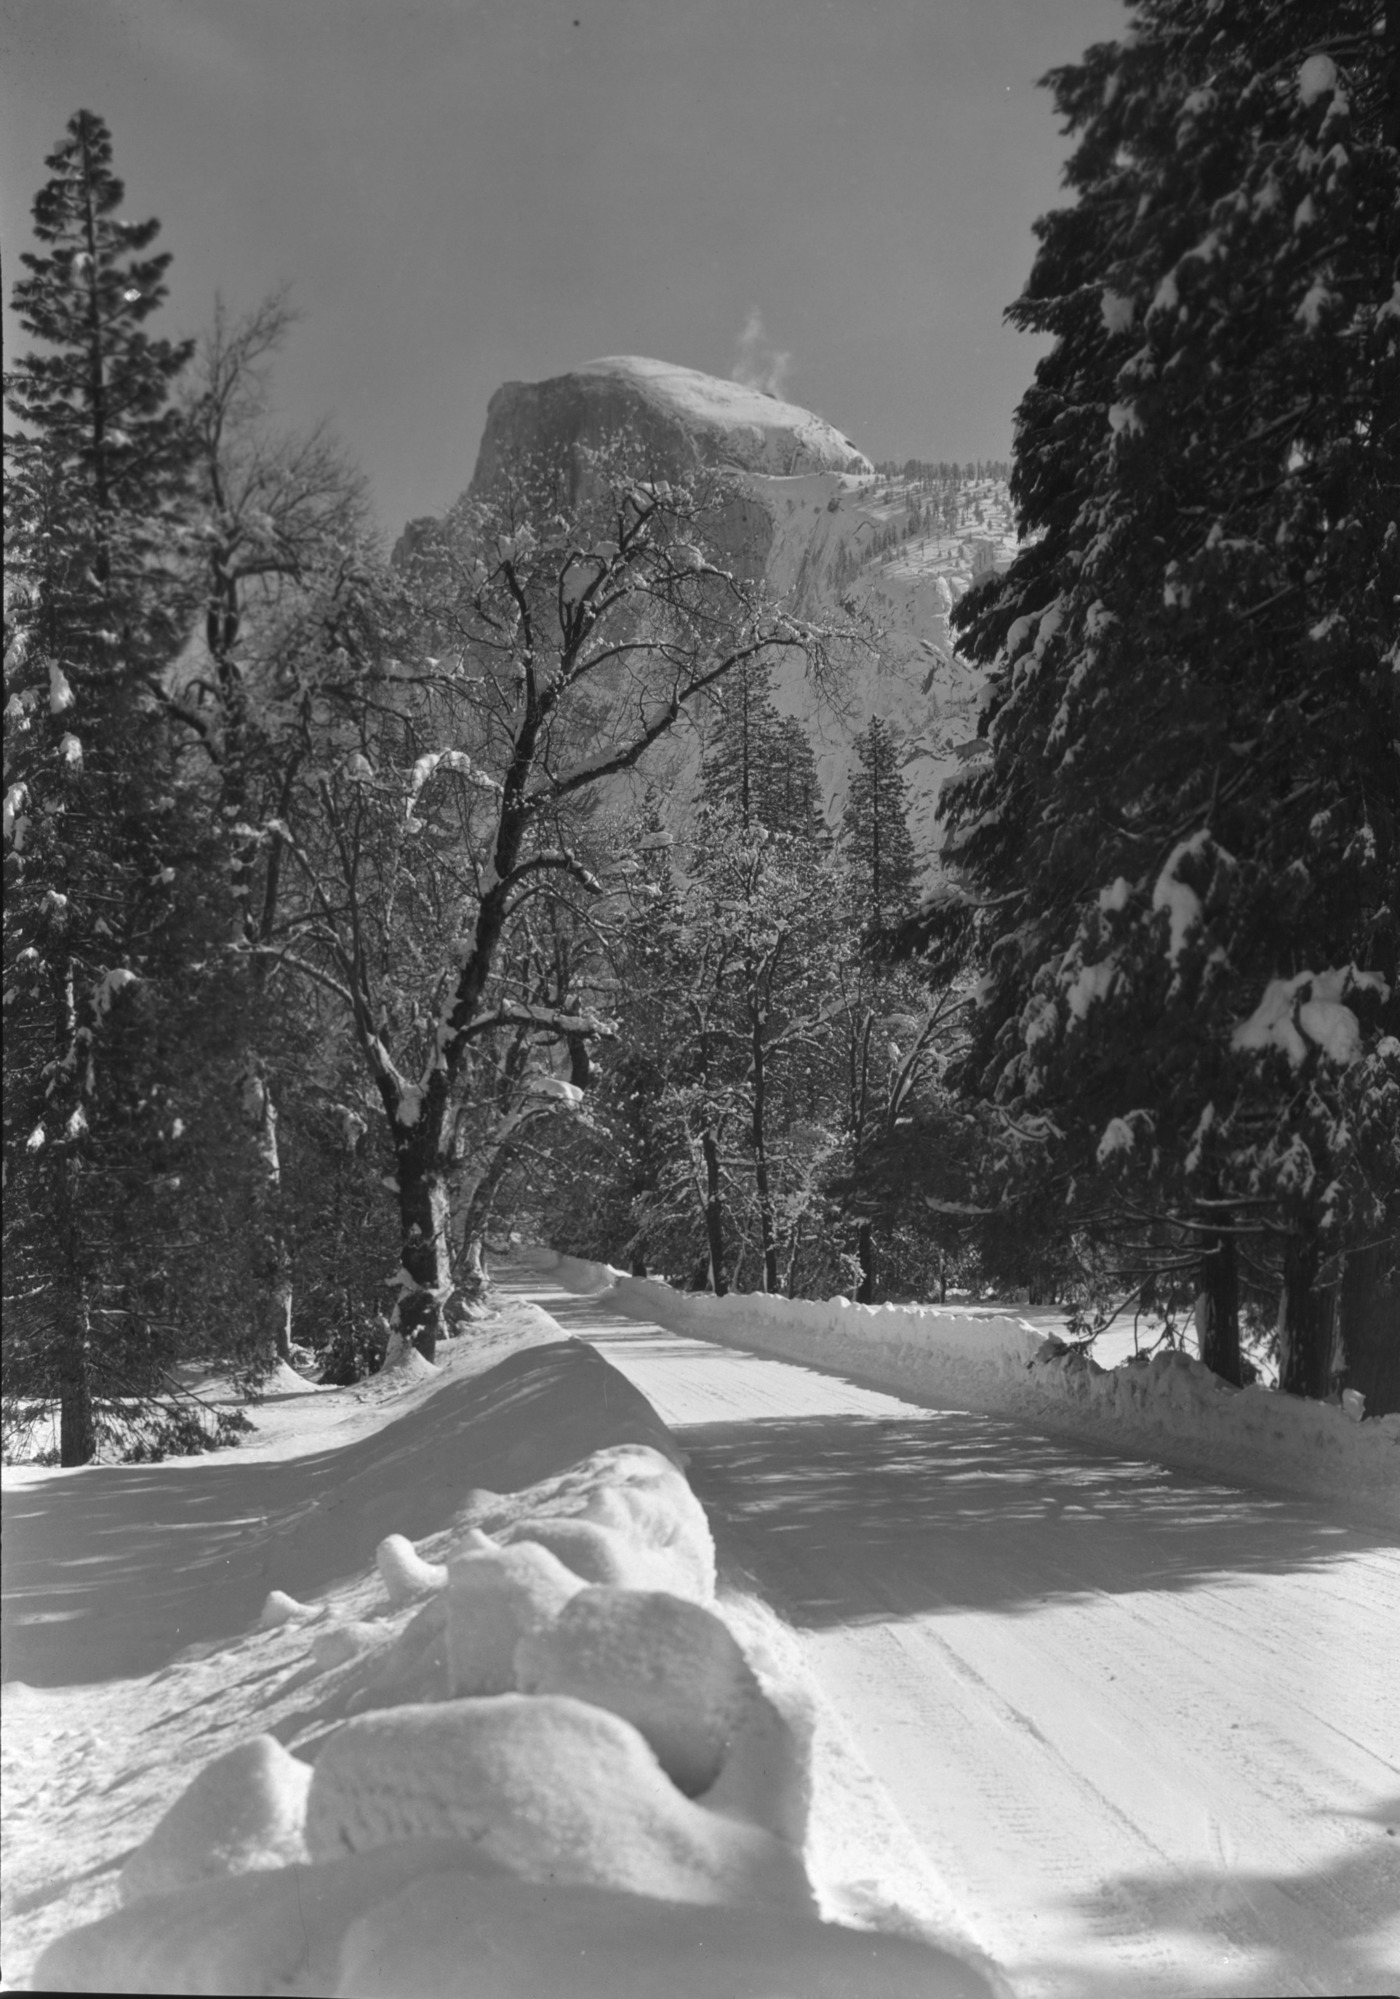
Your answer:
<point x="457" y="760"/>
<point x="553" y="1020"/>
<point x="1309" y="1009"/>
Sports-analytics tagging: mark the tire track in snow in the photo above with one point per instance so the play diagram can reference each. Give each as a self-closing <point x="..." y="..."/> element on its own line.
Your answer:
<point x="1135" y="1719"/>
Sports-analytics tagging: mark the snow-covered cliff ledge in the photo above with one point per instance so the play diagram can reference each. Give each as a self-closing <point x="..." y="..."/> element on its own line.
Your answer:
<point x="990" y="1360"/>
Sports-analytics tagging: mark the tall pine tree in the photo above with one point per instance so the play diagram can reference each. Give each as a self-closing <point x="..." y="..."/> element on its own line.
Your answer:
<point x="881" y="868"/>
<point x="102" y="850"/>
<point x="1178" y="858"/>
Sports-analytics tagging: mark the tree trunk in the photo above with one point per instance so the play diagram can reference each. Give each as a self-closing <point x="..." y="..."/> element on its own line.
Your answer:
<point x="1218" y="1309"/>
<point x="1305" y="1323"/>
<point x="77" y="1426"/>
<point x="760" y="1159"/>
<point x="1370" y="1328"/>
<point x="865" y="1253"/>
<point x="714" y="1214"/>
<point x="77" y="1423"/>
<point x="473" y="1278"/>
<point x="273" y="1261"/>
<point x="425" y="1274"/>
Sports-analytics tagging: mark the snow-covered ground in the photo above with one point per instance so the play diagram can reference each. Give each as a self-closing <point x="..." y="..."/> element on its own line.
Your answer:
<point x="1140" y="1721"/>
<point x="428" y="1690"/>
<point x="1112" y="1727"/>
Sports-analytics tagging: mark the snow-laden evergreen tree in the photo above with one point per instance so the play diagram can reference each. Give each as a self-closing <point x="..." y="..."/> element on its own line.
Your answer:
<point x="758" y="768"/>
<point x="877" y="846"/>
<point x="1178" y="857"/>
<point x="102" y="846"/>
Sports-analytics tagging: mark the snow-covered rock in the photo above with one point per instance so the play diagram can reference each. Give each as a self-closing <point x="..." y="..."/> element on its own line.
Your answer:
<point x="671" y="1668"/>
<point x="552" y="1788"/>
<point x="404" y="1572"/>
<point x="280" y="1609"/>
<point x="623" y="1515"/>
<point x="586" y="1943"/>
<point x="244" y="1811"/>
<point x="678" y="416"/>
<point x="496" y="1597"/>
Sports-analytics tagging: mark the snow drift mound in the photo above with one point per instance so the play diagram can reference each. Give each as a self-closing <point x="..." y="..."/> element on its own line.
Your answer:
<point x="989" y="1360"/>
<point x="312" y="1521"/>
<point x="542" y="1764"/>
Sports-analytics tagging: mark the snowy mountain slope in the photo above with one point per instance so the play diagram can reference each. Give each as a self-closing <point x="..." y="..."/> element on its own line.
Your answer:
<point x="826" y="533"/>
<point x="850" y="545"/>
<point x="244" y="1868"/>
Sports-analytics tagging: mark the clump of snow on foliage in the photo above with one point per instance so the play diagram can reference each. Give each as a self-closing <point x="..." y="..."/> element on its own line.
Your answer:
<point x="554" y="1087"/>
<point x="1117" y="312"/>
<point x="1117" y="1137"/>
<point x="1309" y="1008"/>
<point x="1115" y="896"/>
<point x="108" y="986"/>
<point x="61" y="694"/>
<point x="1091" y="983"/>
<point x="1316" y="76"/>
<point x="1178" y="898"/>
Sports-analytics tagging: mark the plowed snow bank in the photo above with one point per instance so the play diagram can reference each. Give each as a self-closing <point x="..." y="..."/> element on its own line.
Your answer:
<point x="989" y="1360"/>
<point x="534" y="1726"/>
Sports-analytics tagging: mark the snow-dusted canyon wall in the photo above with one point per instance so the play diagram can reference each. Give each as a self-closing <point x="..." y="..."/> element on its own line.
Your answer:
<point x="815" y="522"/>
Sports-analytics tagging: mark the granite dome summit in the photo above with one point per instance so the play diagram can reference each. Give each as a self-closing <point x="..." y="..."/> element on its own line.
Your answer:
<point x="812" y="520"/>
<point x="680" y="416"/>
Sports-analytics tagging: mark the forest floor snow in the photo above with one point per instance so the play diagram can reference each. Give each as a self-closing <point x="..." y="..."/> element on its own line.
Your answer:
<point x="200" y="1618"/>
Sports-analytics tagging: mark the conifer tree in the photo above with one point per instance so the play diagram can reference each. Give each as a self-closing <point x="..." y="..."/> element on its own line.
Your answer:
<point x="758" y="768"/>
<point x="1178" y="858"/>
<point x="878" y="847"/>
<point x="102" y="845"/>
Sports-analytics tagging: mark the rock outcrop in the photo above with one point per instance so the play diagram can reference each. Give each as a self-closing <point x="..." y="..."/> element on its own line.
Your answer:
<point x="679" y="418"/>
<point x="814" y="521"/>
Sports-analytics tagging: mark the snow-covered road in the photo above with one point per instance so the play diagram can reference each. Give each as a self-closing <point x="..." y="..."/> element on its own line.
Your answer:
<point x="1144" y="1726"/>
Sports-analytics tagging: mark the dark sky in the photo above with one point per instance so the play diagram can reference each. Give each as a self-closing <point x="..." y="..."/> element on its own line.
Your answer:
<point x="466" y="192"/>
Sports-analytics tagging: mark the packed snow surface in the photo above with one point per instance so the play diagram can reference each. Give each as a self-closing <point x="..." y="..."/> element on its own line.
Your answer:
<point x="336" y="1713"/>
<point x="992" y="1359"/>
<point x="442" y="1756"/>
<point x="1140" y="1719"/>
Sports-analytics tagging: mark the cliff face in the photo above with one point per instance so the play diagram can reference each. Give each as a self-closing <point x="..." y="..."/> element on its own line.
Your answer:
<point x="823" y="531"/>
<point x="678" y="418"/>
